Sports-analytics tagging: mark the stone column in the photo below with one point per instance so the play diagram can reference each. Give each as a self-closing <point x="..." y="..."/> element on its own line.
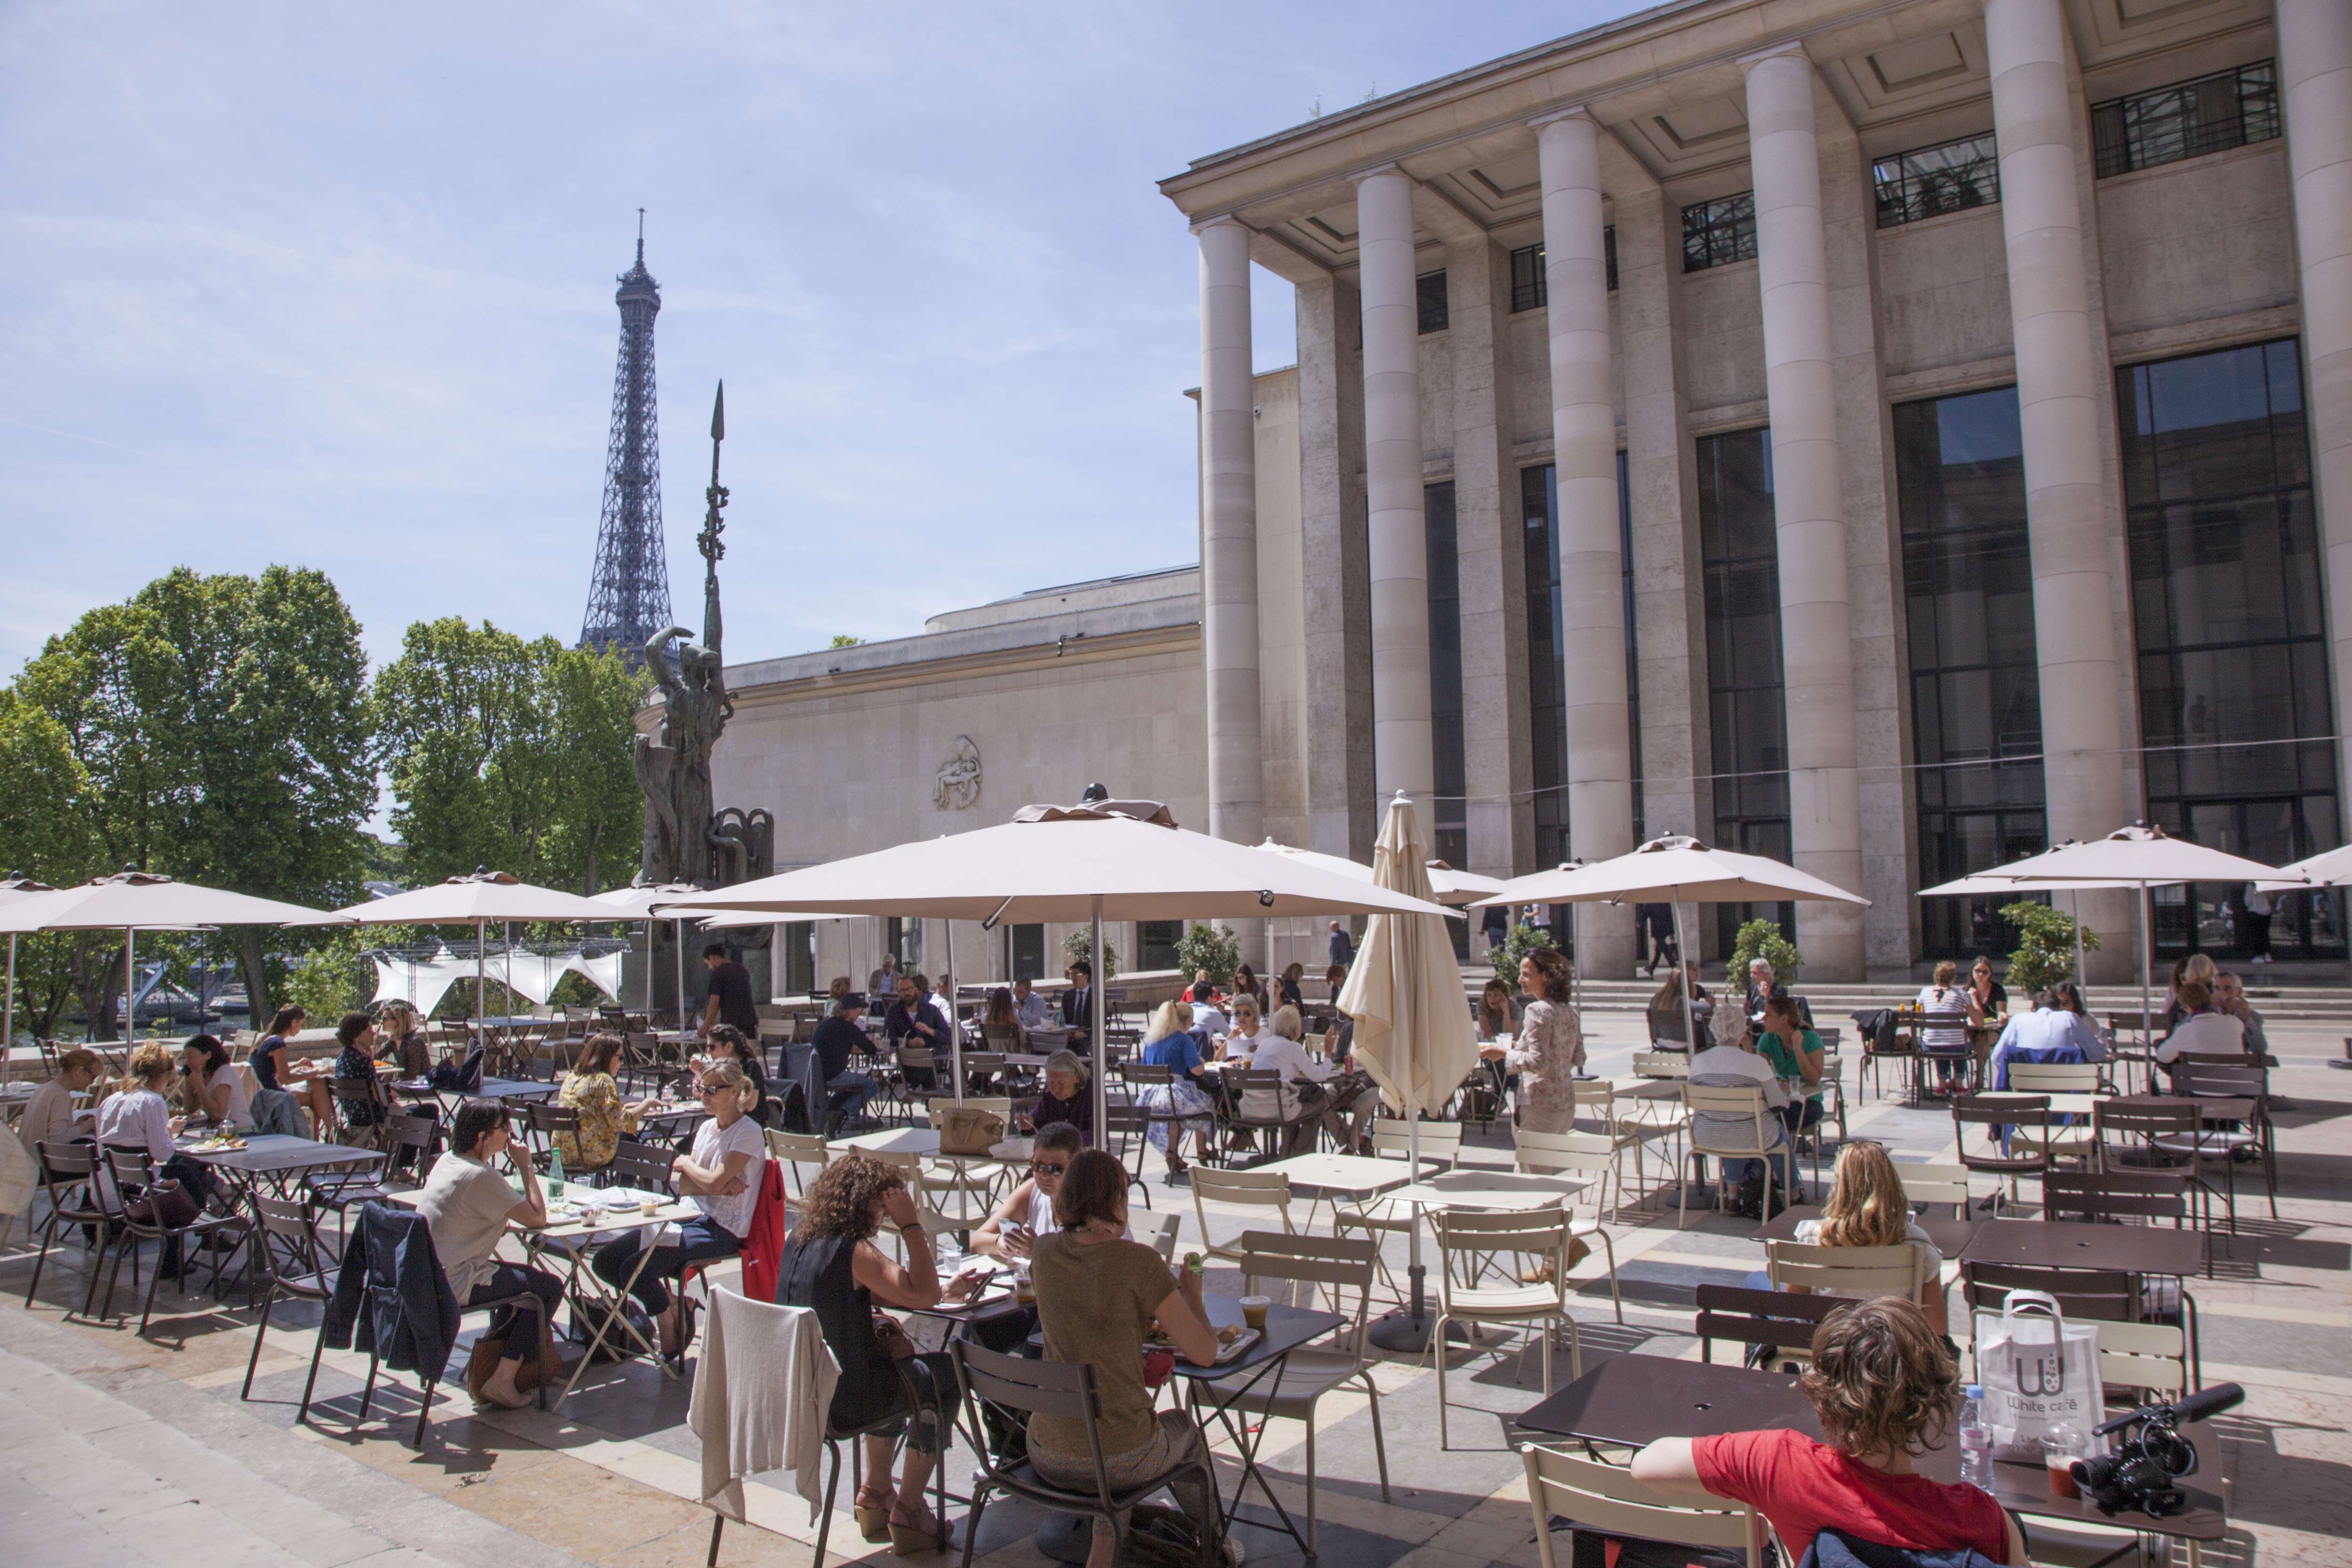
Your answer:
<point x="2062" y="382"/>
<point x="1591" y="555"/>
<point x="1401" y="748"/>
<point x="1335" y="578"/>
<point x="1229" y="535"/>
<point x="2316" y="63"/>
<point x="1809" y="514"/>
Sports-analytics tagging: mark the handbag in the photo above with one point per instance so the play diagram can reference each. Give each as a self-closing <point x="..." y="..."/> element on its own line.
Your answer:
<point x="967" y="1131"/>
<point x="2037" y="1370"/>
<point x="890" y="1338"/>
<point x="165" y="1206"/>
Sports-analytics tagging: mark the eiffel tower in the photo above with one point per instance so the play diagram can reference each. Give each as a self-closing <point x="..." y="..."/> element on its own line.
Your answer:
<point x="628" y="597"/>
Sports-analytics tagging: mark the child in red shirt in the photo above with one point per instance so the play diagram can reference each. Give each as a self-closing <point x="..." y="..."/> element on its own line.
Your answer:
<point x="1884" y="1389"/>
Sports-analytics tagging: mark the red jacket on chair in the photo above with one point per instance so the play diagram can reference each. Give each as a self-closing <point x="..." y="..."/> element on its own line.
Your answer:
<point x="763" y="1248"/>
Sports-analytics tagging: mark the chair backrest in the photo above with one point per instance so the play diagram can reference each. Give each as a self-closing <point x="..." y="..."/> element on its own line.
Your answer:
<point x="643" y="1166"/>
<point x="2103" y="1293"/>
<point x="1392" y="1140"/>
<point x="1000" y="1104"/>
<point x="1661" y="1064"/>
<point x="2054" y="1077"/>
<point x="1466" y="1238"/>
<point x="1344" y="1263"/>
<point x="2151" y="1357"/>
<point x="798" y="1149"/>
<point x="2244" y="1081"/>
<point x="1254" y="1189"/>
<point x="1724" y="1101"/>
<point x="1607" y="1497"/>
<point x="2116" y="1195"/>
<point x="1145" y="1073"/>
<point x="1777" y="1320"/>
<point x="1999" y="1111"/>
<point x="1935" y="1183"/>
<point x="2125" y="1122"/>
<point x="1061" y="1389"/>
<point x="1859" y="1272"/>
<point x="1258" y="1099"/>
<point x="65" y="1164"/>
<point x="1163" y="1240"/>
<point x="1583" y="1153"/>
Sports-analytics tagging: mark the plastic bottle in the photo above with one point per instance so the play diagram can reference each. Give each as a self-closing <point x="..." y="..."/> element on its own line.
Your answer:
<point x="1976" y="1440"/>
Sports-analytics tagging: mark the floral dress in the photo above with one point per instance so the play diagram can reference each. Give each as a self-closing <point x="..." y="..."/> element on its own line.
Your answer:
<point x="602" y="1120"/>
<point x="1549" y="1049"/>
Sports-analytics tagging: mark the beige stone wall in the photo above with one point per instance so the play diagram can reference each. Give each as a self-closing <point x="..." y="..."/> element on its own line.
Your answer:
<point x="2199" y="241"/>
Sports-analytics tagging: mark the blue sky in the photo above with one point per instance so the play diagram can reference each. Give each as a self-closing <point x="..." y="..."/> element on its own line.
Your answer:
<point x="332" y="286"/>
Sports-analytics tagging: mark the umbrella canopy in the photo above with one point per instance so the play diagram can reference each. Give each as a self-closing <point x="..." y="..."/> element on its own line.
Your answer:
<point x="2328" y="869"/>
<point x="1672" y="870"/>
<point x="1068" y="864"/>
<point x="1446" y="886"/>
<point x="484" y="897"/>
<point x="142" y="900"/>
<point x="714" y="919"/>
<point x="2137" y="857"/>
<point x="1404" y="990"/>
<point x="636" y="901"/>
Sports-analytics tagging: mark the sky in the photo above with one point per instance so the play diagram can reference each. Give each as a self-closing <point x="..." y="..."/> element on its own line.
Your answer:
<point x="331" y="286"/>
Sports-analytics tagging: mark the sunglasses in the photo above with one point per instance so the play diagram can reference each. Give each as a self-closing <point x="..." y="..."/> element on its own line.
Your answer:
<point x="1047" y="1168"/>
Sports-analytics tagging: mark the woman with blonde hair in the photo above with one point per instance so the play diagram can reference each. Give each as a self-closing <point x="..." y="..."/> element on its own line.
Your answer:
<point x="1866" y="1206"/>
<point x="1170" y="1043"/>
<point x="401" y="1039"/>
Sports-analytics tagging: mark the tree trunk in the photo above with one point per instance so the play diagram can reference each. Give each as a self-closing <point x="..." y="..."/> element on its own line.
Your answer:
<point x="254" y="972"/>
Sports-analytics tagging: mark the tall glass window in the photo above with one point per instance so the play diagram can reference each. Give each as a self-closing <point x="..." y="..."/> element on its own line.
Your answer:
<point x="1548" y="673"/>
<point x="1746" y="717"/>
<point x="1449" y="825"/>
<point x="1025" y="949"/>
<point x="1718" y="233"/>
<point x="1976" y="712"/>
<point x="2233" y="682"/>
<point x="2187" y="119"/>
<point x="798" y="952"/>
<point x="1155" y="943"/>
<point x="1950" y="177"/>
<point x="1429" y="291"/>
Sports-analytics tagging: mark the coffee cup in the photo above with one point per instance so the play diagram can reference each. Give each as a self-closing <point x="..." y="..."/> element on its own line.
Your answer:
<point x="1024" y="1290"/>
<point x="1253" y="1310"/>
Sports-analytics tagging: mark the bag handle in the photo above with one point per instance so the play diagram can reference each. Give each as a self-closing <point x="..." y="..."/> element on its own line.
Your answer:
<point x="2016" y="1301"/>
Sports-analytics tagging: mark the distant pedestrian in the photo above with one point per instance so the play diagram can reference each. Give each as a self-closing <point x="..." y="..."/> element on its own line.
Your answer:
<point x="1343" y="946"/>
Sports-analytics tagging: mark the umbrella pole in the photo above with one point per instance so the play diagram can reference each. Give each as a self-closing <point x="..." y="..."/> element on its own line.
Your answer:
<point x="1095" y="994"/>
<point x="2074" y="911"/>
<point x="678" y="930"/>
<point x="2147" y="963"/>
<point x="955" y="1024"/>
<point x="649" y="972"/>
<point x="482" y="986"/>
<point x="8" y="1030"/>
<point x="1408" y="1330"/>
<point x="1682" y="982"/>
<point x="129" y="987"/>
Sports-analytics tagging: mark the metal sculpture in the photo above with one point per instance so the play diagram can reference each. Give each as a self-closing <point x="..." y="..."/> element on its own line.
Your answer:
<point x="628" y="597"/>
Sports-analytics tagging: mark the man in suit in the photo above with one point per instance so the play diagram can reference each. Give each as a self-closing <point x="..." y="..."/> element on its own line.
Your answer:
<point x="1078" y="1004"/>
<point x="1343" y="946"/>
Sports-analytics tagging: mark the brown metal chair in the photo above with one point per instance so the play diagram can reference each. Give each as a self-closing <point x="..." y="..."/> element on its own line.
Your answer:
<point x="69" y="1178"/>
<point x="1996" y="1114"/>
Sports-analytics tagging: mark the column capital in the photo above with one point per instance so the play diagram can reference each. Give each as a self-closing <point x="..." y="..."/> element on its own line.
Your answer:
<point x="1220" y="221"/>
<point x="1357" y="177"/>
<point x="1554" y="116"/>
<point x="1777" y="51"/>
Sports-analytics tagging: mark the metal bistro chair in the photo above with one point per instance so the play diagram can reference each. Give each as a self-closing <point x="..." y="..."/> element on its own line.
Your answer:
<point x="1936" y="1183"/>
<point x="1779" y="1324"/>
<point x="1745" y="1101"/>
<point x="1601" y="1497"/>
<point x="1265" y="1106"/>
<point x="1860" y="1273"/>
<point x="1995" y="1115"/>
<point x="1593" y="1154"/>
<point x="1380" y="1213"/>
<point x="134" y="1171"/>
<point x="1026" y="1389"/>
<point x="69" y="1178"/>
<point x="1127" y="1137"/>
<point x="1250" y="1189"/>
<point x="2251" y="1137"/>
<point x="1466" y="1241"/>
<point x="1337" y="1266"/>
<point x="288" y="1252"/>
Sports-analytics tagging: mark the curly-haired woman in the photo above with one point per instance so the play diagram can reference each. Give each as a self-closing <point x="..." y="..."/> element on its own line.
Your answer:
<point x="834" y="1267"/>
<point x="1550" y="1045"/>
<point x="1884" y="1390"/>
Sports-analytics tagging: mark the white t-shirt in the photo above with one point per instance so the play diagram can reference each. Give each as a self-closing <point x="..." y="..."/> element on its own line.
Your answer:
<point x="713" y="1144"/>
<point x="1208" y="1019"/>
<point x="48" y="1114"/>
<point x="2203" y="1034"/>
<point x="240" y="1104"/>
<point x="465" y="1204"/>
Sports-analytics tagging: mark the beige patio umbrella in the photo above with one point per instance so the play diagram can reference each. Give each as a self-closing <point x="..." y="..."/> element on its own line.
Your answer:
<point x="480" y="900"/>
<point x="636" y="903"/>
<point x="1412" y="1032"/>
<point x="132" y="901"/>
<point x="16" y="886"/>
<point x="1099" y="861"/>
<point x="1670" y="870"/>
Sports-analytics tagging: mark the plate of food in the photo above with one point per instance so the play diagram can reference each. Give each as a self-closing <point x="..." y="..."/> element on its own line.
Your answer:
<point x="1232" y="1340"/>
<point x="219" y="1145"/>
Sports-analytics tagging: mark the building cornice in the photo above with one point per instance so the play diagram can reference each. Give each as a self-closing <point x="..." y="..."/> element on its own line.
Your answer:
<point x="1071" y="651"/>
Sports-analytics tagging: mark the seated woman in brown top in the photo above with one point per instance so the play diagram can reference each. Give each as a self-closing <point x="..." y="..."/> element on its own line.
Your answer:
<point x="1098" y="1296"/>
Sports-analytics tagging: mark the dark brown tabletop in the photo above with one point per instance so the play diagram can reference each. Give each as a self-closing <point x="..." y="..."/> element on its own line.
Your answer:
<point x="2072" y="1244"/>
<point x="269" y="1153"/>
<point x="1950" y="1235"/>
<point x="1638" y="1399"/>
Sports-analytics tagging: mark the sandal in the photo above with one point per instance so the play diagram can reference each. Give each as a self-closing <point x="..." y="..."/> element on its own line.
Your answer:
<point x="873" y="1511"/>
<point x="913" y="1530"/>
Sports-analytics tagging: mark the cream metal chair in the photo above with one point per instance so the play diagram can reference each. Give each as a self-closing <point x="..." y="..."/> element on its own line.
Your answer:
<point x="1336" y="1266"/>
<point x="919" y="1187"/>
<point x="972" y="1181"/>
<point x="1626" y="1130"/>
<point x="1380" y="1215"/>
<point x="1163" y="1240"/>
<point x="1607" y="1497"/>
<point x="1863" y="1273"/>
<point x="1936" y="1183"/>
<point x="1593" y="1154"/>
<point x="1466" y="1239"/>
<point x="1745" y="1101"/>
<point x="794" y="1151"/>
<point x="1245" y="1189"/>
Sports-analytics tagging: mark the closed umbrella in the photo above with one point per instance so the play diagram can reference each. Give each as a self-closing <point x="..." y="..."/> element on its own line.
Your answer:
<point x="1100" y="860"/>
<point x="2138" y="857"/>
<point x="477" y="900"/>
<point x="132" y="901"/>
<point x="1412" y="1031"/>
<point x="1671" y="870"/>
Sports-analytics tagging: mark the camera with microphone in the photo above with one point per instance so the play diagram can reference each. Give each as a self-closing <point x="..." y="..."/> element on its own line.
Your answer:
<point x="2139" y="1475"/>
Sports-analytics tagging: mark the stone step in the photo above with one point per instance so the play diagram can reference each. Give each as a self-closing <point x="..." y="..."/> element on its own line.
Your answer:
<point x="103" y="1467"/>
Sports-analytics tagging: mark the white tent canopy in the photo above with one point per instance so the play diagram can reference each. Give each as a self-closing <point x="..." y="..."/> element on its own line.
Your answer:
<point x="480" y="900"/>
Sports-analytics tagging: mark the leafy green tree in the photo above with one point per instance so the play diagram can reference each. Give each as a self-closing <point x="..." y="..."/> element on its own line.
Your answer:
<point x="2045" y="944"/>
<point x="1507" y="954"/>
<point x="1079" y="946"/>
<point x="510" y="755"/>
<point x="1211" y="947"/>
<point x="1762" y="939"/>
<point x="44" y="833"/>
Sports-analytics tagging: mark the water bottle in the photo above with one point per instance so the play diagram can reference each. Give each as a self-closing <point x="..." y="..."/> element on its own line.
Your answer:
<point x="1976" y="1440"/>
<point x="555" y="1173"/>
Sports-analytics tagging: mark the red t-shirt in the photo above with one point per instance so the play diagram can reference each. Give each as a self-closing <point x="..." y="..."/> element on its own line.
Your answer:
<point x="1804" y="1487"/>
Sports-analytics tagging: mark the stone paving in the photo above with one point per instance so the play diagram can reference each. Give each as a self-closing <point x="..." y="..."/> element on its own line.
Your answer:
<point x="120" y="1449"/>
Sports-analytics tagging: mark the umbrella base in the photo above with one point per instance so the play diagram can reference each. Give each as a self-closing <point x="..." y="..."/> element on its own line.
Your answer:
<point x="1407" y="1332"/>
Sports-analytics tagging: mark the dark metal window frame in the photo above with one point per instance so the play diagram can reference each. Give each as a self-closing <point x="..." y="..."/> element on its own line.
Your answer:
<point x="1719" y="232"/>
<point x="2184" y="119"/>
<point x="1157" y="939"/>
<point x="1742" y="695"/>
<point x="1428" y="299"/>
<point x="1531" y="286"/>
<point x="1928" y="182"/>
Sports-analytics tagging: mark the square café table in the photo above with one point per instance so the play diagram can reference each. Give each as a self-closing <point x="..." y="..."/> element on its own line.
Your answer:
<point x="1950" y="1235"/>
<point x="1637" y="1399"/>
<point x="2074" y="1244"/>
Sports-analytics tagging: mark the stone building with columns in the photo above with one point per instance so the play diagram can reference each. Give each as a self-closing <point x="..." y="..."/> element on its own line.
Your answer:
<point x="1887" y="437"/>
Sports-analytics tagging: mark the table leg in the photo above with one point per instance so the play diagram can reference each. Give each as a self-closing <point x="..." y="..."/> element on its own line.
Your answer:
<point x="613" y="1302"/>
<point x="1246" y="1448"/>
